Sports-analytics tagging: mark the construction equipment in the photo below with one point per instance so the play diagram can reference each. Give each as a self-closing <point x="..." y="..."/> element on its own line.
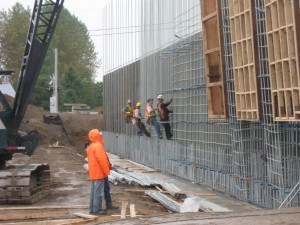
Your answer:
<point x="26" y="183"/>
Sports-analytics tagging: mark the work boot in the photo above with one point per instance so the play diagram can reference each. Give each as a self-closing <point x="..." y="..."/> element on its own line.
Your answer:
<point x="111" y="207"/>
<point x="100" y="213"/>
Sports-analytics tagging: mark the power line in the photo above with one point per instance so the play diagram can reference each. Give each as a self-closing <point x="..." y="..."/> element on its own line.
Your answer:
<point x="154" y="24"/>
<point x="139" y="31"/>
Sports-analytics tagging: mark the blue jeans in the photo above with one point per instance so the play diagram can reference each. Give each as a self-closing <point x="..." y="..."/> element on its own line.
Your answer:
<point x="156" y="126"/>
<point x="107" y="192"/>
<point x="96" y="196"/>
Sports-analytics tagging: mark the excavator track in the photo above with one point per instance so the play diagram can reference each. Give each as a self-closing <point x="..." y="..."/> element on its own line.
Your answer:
<point x="24" y="184"/>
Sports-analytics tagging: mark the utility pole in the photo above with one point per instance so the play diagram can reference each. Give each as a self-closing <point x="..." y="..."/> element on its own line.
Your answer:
<point x="54" y="98"/>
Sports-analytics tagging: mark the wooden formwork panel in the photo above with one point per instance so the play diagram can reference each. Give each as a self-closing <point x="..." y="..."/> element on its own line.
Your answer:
<point x="244" y="54"/>
<point x="213" y="55"/>
<point x="282" y="25"/>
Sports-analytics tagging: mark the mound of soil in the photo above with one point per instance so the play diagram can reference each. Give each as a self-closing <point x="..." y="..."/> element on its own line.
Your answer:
<point x="73" y="131"/>
<point x="76" y="126"/>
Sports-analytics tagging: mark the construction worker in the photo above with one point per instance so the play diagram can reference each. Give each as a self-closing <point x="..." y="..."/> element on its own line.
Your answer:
<point x="107" y="195"/>
<point x="163" y="113"/>
<point x="151" y="117"/>
<point x="99" y="169"/>
<point x="137" y="116"/>
<point x="127" y="111"/>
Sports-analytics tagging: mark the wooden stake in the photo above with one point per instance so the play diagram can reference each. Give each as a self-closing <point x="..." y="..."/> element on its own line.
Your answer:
<point x="132" y="210"/>
<point x="123" y="210"/>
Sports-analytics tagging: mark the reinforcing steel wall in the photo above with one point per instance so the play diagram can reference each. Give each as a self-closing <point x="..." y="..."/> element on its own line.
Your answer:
<point x="255" y="160"/>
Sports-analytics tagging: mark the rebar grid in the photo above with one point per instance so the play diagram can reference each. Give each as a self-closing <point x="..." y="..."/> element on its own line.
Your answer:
<point x="256" y="161"/>
<point x="280" y="148"/>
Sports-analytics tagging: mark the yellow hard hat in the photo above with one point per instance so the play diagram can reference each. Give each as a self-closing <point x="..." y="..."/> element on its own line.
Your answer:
<point x="138" y="104"/>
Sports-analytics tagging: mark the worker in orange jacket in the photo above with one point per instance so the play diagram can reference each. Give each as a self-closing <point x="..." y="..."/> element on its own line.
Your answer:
<point x="99" y="169"/>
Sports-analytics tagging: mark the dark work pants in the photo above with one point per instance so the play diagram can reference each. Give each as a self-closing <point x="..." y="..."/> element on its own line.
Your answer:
<point x="107" y="192"/>
<point x="167" y="127"/>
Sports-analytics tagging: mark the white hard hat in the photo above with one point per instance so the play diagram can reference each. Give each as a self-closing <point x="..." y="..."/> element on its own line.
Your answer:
<point x="129" y="101"/>
<point x="160" y="97"/>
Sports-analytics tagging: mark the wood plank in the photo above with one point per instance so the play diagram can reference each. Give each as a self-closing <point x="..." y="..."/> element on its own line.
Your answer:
<point x="85" y="216"/>
<point x="214" y="58"/>
<point x="44" y="207"/>
<point x="123" y="210"/>
<point x="212" y="50"/>
<point x="54" y="222"/>
<point x="78" y="222"/>
<point x="208" y="17"/>
<point x="118" y="215"/>
<point x="208" y="7"/>
<point x="215" y="84"/>
<point x="132" y="210"/>
<point x="34" y="215"/>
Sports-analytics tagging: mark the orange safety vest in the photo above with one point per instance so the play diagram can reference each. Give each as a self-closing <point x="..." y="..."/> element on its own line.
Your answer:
<point x="161" y="111"/>
<point x="148" y="114"/>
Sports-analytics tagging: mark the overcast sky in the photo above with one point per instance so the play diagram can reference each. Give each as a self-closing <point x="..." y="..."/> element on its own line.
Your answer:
<point x="87" y="11"/>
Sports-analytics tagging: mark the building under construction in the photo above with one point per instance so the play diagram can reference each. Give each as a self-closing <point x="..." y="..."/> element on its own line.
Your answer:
<point x="232" y="68"/>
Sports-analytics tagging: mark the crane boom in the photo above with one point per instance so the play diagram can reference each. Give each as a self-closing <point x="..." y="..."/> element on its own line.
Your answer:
<point x="43" y="22"/>
<point x="26" y="183"/>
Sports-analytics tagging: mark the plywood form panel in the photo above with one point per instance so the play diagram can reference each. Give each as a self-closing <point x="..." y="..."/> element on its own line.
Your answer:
<point x="214" y="64"/>
<point x="243" y="37"/>
<point x="282" y="24"/>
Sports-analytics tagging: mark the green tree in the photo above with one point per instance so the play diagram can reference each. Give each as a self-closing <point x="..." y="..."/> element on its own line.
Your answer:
<point x="42" y="99"/>
<point x="87" y="92"/>
<point x="12" y="38"/>
<point x="99" y="93"/>
<point x="75" y="47"/>
<point x="68" y="93"/>
<point x="76" y="54"/>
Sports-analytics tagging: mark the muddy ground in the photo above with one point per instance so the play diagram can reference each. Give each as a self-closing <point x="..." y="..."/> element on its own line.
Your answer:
<point x="70" y="186"/>
<point x="69" y="180"/>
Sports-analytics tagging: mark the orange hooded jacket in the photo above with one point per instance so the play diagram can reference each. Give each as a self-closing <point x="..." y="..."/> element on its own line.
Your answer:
<point x="97" y="159"/>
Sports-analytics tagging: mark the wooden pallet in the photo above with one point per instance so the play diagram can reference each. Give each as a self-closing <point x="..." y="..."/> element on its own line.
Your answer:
<point x="282" y="24"/>
<point x="214" y="59"/>
<point x="244" y="54"/>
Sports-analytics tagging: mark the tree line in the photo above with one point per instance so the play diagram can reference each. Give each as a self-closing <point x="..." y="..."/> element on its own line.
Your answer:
<point x="77" y="62"/>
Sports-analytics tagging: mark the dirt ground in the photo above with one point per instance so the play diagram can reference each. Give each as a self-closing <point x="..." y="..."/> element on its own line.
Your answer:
<point x="70" y="188"/>
<point x="69" y="180"/>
